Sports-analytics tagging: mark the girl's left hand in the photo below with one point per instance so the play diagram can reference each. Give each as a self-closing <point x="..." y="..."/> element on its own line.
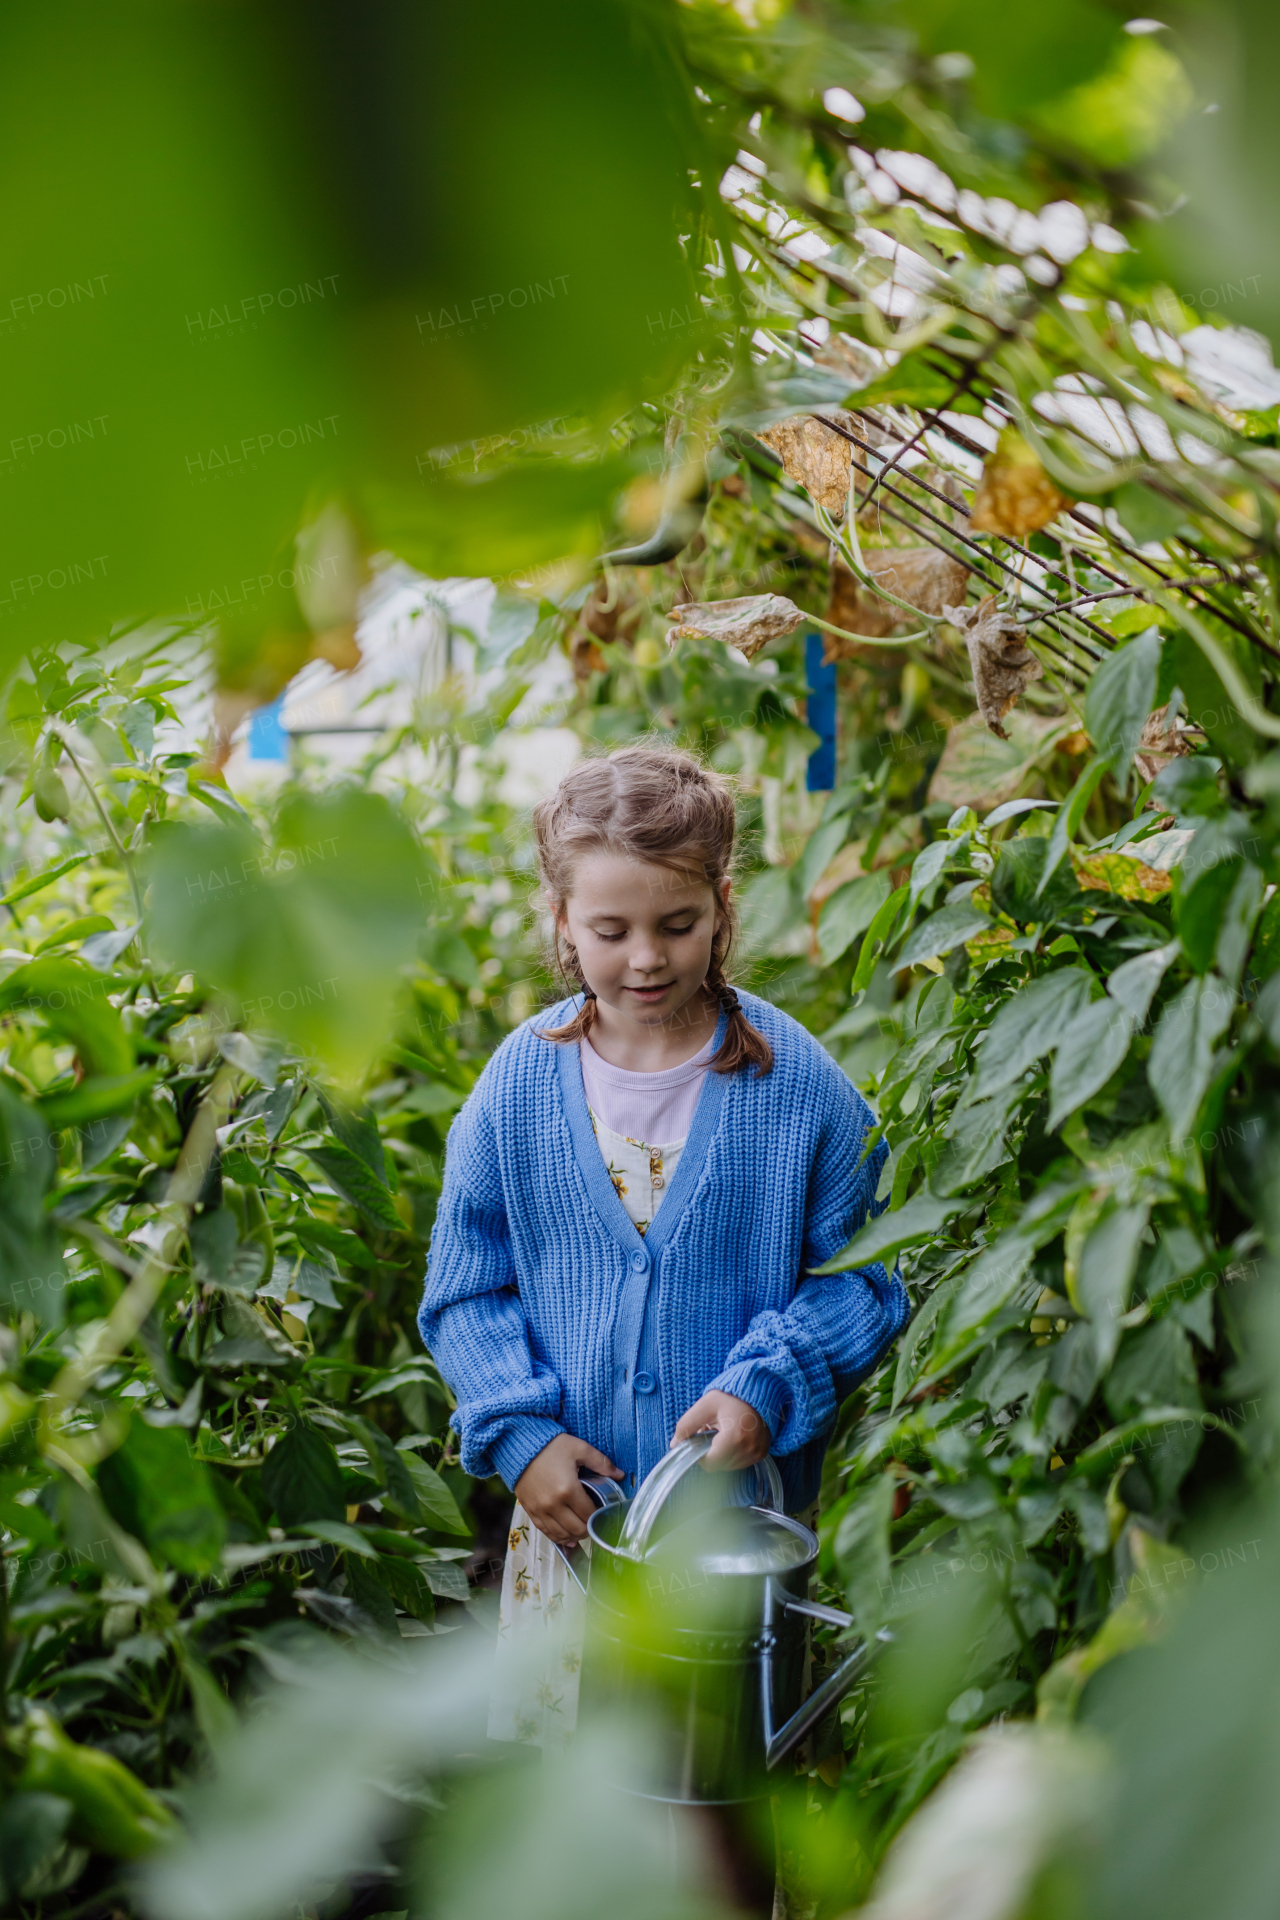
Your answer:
<point x="741" y="1439"/>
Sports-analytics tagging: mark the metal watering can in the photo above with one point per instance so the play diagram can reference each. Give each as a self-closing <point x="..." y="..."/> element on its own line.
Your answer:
<point x="711" y="1613"/>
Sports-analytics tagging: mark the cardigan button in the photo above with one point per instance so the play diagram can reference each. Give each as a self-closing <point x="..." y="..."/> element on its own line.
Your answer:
<point x="645" y="1383"/>
<point x="639" y="1261"/>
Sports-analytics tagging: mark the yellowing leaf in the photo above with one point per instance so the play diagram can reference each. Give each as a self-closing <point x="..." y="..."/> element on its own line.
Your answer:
<point x="1016" y="496"/>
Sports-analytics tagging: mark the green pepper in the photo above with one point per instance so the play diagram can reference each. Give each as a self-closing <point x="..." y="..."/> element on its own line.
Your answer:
<point x="114" y="1812"/>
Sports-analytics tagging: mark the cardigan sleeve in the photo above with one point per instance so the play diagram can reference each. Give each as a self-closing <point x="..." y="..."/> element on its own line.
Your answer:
<point x="471" y="1317"/>
<point x="796" y="1367"/>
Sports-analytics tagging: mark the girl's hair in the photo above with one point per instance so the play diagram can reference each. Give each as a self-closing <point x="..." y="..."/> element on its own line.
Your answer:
<point x="654" y="804"/>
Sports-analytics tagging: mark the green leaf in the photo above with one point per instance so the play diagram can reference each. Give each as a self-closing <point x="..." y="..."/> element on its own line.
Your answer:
<point x="848" y="912"/>
<point x="1015" y="884"/>
<point x="921" y="1217"/>
<point x="214" y="1238"/>
<point x="32" y="1829"/>
<point x="989" y="1283"/>
<point x="1154" y="1367"/>
<point x="314" y="1281"/>
<point x="408" y="1584"/>
<point x="32" y="1276"/>
<point x="76" y="930"/>
<point x="357" y="1130"/>
<point x="511" y="620"/>
<point x="1146" y="514"/>
<point x="388" y="1466"/>
<point x="931" y="860"/>
<point x="157" y="1490"/>
<point x="351" y="1178"/>
<point x="861" y="1548"/>
<point x="1119" y="697"/>
<point x="437" y="1503"/>
<point x="877" y="939"/>
<point x="310" y="938"/>
<point x="1108" y="1262"/>
<point x="338" y="1534"/>
<point x="1029" y="1025"/>
<point x="949" y="927"/>
<point x="1093" y="1046"/>
<point x="45" y="878"/>
<point x="820" y="850"/>
<point x="1134" y="984"/>
<point x="432" y="1097"/>
<point x="1181" y="1064"/>
<point x="1236" y="926"/>
<point x="1200" y="911"/>
<point x="976" y="1142"/>
<point x="73" y="1002"/>
<point x="97" y="1095"/>
<point x="1067" y="822"/>
<point x="321" y="1236"/>
<point x="302" y="1479"/>
<point x="371" y="1593"/>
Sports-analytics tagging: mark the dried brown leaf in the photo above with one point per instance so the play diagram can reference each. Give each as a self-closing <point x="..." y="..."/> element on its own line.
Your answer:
<point x="748" y="623"/>
<point x="814" y="457"/>
<point x="927" y="578"/>
<point x="1015" y="496"/>
<point x="1159" y="743"/>
<point x="1002" y="663"/>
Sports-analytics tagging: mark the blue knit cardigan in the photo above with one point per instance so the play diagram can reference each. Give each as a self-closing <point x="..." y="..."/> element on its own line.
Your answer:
<point x="548" y="1313"/>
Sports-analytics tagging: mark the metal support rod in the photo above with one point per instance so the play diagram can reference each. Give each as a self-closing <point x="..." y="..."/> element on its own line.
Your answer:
<point x="921" y="533"/>
<point x="966" y="539"/>
<point x="1082" y="519"/>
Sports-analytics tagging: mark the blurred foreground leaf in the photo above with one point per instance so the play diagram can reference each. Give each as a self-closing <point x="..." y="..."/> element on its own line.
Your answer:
<point x="308" y="939"/>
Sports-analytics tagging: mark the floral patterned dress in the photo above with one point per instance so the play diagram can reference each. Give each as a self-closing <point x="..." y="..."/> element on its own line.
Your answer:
<point x="542" y="1612"/>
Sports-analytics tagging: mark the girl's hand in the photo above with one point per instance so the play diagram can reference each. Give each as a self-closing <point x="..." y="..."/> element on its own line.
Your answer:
<point x="551" y="1493"/>
<point x="741" y="1439"/>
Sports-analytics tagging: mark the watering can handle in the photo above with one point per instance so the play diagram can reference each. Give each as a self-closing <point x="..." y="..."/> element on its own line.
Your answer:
<point x="661" y="1483"/>
<point x="605" y="1493"/>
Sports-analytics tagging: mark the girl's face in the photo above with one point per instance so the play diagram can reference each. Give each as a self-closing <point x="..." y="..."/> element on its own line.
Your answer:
<point x="643" y="933"/>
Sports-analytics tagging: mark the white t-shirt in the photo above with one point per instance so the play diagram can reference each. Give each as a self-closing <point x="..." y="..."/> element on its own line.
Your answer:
<point x="641" y="1123"/>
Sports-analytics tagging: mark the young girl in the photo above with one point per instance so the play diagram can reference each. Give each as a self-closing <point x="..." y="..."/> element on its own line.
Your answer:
<point x="635" y="1195"/>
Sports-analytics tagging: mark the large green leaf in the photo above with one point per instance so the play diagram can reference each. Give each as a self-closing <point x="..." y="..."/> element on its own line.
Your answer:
<point x="389" y="1467"/>
<point x="32" y="1276"/>
<point x="1029" y="1025"/>
<point x="157" y="1489"/>
<point x="1019" y="61"/>
<point x="72" y="1000"/>
<point x="1182" y="1057"/>
<point x="357" y="1130"/>
<point x="861" y="1549"/>
<point x="302" y="1479"/>
<point x="350" y="1176"/>
<point x="950" y="927"/>
<point x="310" y="938"/>
<point x="849" y="912"/>
<point x="1108" y="1261"/>
<point x="882" y="1237"/>
<point x="1093" y="1046"/>
<point x="434" y="1497"/>
<point x="1016" y="880"/>
<point x="204" y="350"/>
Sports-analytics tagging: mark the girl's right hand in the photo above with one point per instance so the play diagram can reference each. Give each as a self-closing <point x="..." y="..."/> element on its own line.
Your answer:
<point x="551" y="1493"/>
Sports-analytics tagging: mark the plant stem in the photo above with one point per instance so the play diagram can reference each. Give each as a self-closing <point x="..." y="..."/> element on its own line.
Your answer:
<point x="117" y="843"/>
<point x="122" y="1325"/>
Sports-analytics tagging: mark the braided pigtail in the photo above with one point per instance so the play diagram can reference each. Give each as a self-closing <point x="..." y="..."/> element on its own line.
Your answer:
<point x="569" y="968"/>
<point x="743" y="1045"/>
